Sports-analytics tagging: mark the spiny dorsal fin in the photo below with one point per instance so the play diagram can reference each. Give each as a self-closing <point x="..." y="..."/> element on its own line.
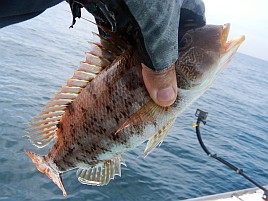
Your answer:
<point x="113" y="35"/>
<point x="102" y="173"/>
<point x="158" y="138"/>
<point x="108" y="44"/>
<point x="44" y="126"/>
<point x="97" y="49"/>
<point x="148" y="113"/>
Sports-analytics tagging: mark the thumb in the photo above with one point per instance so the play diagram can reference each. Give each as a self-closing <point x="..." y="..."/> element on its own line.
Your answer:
<point x="162" y="86"/>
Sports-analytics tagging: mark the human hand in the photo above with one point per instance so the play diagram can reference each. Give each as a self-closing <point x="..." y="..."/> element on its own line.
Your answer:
<point x="162" y="86"/>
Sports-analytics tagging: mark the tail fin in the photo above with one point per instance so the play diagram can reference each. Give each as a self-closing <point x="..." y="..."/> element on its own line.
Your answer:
<point x="42" y="165"/>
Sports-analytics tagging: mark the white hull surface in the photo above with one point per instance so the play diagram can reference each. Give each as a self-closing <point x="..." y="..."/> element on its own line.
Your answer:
<point x="251" y="194"/>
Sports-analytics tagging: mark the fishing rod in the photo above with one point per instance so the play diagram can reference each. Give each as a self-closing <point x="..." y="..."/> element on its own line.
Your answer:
<point x="201" y="117"/>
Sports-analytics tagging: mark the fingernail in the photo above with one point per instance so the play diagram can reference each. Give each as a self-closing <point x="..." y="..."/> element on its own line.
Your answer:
<point x="166" y="94"/>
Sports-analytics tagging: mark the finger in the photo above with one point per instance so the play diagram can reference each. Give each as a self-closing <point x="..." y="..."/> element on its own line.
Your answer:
<point x="162" y="86"/>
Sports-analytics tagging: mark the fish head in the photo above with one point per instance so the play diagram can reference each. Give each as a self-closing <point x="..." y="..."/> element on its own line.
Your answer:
<point x="203" y="53"/>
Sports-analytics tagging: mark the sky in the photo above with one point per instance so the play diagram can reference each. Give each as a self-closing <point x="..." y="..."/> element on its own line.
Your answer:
<point x="247" y="17"/>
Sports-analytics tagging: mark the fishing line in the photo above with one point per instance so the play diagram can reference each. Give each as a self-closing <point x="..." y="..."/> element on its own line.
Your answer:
<point x="201" y="117"/>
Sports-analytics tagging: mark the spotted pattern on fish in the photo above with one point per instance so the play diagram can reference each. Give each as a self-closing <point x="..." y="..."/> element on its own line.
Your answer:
<point x="113" y="113"/>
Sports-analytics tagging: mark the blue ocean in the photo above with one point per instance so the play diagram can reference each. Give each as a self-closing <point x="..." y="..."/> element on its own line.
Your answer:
<point x="37" y="57"/>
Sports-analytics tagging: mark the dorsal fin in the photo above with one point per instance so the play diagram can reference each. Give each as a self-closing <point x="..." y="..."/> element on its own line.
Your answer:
<point x="108" y="44"/>
<point x="101" y="173"/>
<point x="45" y="125"/>
<point x="113" y="35"/>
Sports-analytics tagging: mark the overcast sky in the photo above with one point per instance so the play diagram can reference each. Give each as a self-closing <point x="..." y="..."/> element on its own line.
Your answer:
<point x="248" y="17"/>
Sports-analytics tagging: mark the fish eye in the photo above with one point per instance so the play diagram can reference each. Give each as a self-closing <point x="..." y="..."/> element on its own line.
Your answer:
<point x="185" y="42"/>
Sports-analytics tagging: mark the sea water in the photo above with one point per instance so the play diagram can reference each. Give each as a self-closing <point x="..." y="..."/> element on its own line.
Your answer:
<point x="36" y="58"/>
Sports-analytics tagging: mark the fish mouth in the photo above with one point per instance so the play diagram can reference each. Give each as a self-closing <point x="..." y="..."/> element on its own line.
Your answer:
<point x="230" y="45"/>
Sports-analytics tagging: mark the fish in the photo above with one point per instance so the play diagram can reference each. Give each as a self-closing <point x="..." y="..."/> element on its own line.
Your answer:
<point x="105" y="110"/>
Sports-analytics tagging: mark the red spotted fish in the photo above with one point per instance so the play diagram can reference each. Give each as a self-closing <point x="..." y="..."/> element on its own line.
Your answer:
<point x="105" y="110"/>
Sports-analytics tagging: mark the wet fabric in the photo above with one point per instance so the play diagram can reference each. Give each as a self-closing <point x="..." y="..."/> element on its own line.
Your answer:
<point x="155" y="24"/>
<point x="14" y="11"/>
<point x="159" y="23"/>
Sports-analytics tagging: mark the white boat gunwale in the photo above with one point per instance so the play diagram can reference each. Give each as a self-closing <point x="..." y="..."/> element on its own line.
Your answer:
<point x="232" y="194"/>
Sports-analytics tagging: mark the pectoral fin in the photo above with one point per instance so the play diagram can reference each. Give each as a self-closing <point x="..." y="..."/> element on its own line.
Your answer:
<point x="158" y="138"/>
<point x="102" y="173"/>
<point x="148" y="113"/>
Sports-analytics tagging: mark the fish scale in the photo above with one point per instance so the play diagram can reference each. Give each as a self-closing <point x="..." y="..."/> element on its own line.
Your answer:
<point x="105" y="109"/>
<point x="103" y="120"/>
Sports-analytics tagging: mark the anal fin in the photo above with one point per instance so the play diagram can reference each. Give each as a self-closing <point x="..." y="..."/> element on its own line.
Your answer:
<point x="158" y="138"/>
<point x="102" y="173"/>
